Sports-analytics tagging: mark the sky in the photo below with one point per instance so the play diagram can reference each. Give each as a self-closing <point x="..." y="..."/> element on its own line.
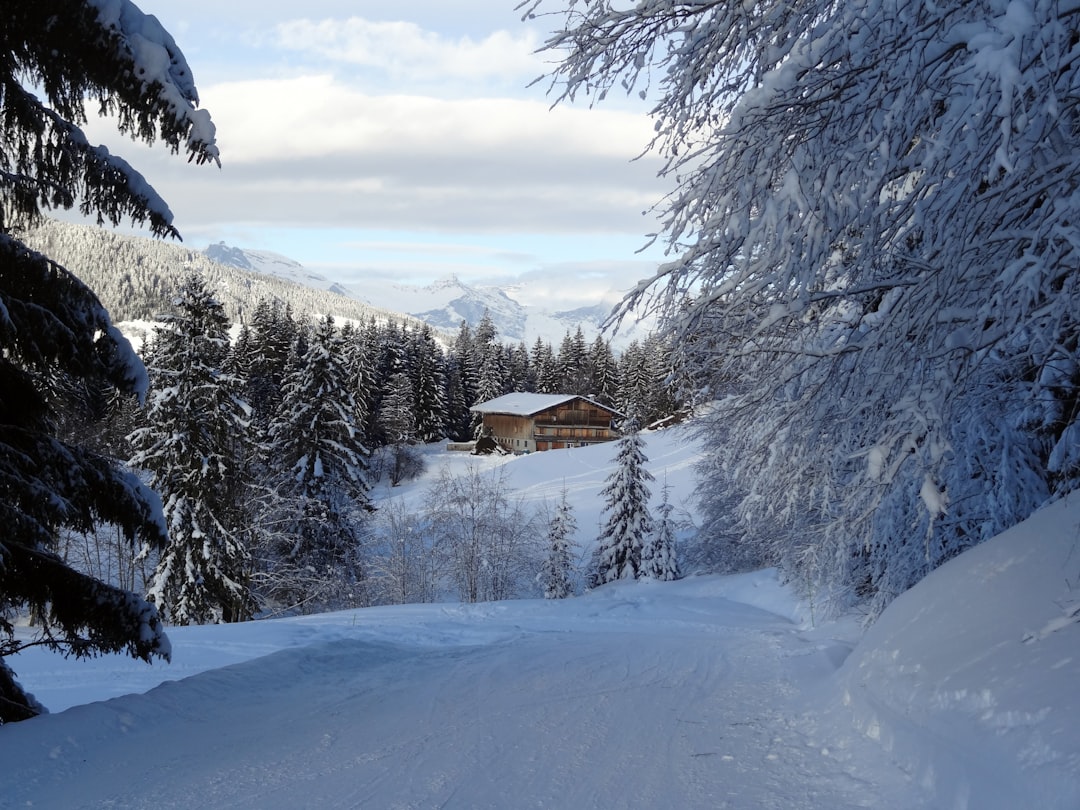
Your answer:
<point x="402" y="140"/>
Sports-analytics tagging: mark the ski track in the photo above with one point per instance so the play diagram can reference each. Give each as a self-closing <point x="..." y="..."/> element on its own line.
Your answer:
<point x="687" y="712"/>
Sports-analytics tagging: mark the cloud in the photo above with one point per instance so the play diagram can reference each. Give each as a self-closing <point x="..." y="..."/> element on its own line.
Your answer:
<point x="374" y="124"/>
<point x="405" y="50"/>
<point x="318" y="114"/>
<point x="311" y="150"/>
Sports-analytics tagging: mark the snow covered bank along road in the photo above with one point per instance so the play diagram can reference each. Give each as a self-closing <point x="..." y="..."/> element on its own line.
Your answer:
<point x="635" y="696"/>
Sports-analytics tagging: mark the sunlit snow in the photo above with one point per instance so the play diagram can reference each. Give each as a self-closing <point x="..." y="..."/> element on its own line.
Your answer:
<point x="709" y="692"/>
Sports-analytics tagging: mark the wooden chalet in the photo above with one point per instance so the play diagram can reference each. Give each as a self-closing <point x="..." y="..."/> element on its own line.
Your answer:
<point x="525" y="423"/>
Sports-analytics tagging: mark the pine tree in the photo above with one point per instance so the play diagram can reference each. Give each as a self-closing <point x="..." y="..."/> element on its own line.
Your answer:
<point x="363" y="356"/>
<point x="458" y="417"/>
<point x="193" y="446"/>
<point x="659" y="559"/>
<point x="556" y="574"/>
<point x="52" y="326"/>
<point x="519" y="374"/>
<point x="468" y="358"/>
<point x="429" y="387"/>
<point x="321" y="471"/>
<point x="273" y="332"/>
<point x="629" y="523"/>
<point x="603" y="372"/>
<point x="574" y="364"/>
<point x="546" y="368"/>
<point x="635" y="385"/>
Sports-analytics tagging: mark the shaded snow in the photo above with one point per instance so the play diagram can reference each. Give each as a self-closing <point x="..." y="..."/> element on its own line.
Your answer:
<point x="710" y="692"/>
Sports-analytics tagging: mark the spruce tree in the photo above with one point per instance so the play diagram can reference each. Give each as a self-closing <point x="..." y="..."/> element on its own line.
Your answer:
<point x="574" y="364"/>
<point x="556" y="574"/>
<point x="365" y="382"/>
<point x="659" y="560"/>
<point x="603" y="372"/>
<point x="465" y="350"/>
<point x="545" y="367"/>
<point x="320" y="468"/>
<point x="429" y="387"/>
<point x="193" y="447"/>
<point x="629" y="522"/>
<point x="52" y="326"/>
<point x="273" y="332"/>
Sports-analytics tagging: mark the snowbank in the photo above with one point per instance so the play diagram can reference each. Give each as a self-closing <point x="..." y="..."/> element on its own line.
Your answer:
<point x="970" y="679"/>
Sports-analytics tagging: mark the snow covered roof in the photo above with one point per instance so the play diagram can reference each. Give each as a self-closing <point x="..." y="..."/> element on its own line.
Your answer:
<point x="522" y="404"/>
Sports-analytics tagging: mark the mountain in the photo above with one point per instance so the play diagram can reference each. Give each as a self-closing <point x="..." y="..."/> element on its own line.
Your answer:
<point x="447" y="302"/>
<point x="512" y="308"/>
<point x="135" y="276"/>
<point x="267" y="263"/>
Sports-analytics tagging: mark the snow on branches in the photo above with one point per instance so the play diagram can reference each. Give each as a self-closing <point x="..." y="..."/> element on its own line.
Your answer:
<point x="875" y="257"/>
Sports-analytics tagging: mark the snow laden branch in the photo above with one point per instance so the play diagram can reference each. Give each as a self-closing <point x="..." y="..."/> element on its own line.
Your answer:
<point x="874" y="262"/>
<point x="123" y="60"/>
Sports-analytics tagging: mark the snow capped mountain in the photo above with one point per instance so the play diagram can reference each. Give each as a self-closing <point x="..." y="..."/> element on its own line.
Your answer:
<point x="268" y="263"/>
<point x="514" y="309"/>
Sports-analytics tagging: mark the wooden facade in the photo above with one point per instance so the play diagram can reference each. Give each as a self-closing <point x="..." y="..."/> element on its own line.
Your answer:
<point x="526" y="423"/>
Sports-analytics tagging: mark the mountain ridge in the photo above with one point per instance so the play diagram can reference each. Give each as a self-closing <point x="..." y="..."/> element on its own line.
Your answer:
<point x="135" y="277"/>
<point x="448" y="301"/>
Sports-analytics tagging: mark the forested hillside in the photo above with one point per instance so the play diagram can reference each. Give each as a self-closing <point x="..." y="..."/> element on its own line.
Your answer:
<point x="136" y="277"/>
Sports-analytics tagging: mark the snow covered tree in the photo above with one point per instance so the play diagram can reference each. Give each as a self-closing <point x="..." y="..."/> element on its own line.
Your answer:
<point x="468" y="361"/>
<point x="545" y="367"/>
<point x="321" y="475"/>
<point x="603" y="372"/>
<point x="361" y="347"/>
<point x="658" y="558"/>
<point x="556" y="576"/>
<point x="265" y="359"/>
<point x="876" y="253"/>
<point x="193" y="447"/>
<point x="626" y="503"/>
<point x="52" y="325"/>
<point x="491" y="361"/>
<point x="486" y="540"/>
<point x="428" y="385"/>
<point x="574" y="376"/>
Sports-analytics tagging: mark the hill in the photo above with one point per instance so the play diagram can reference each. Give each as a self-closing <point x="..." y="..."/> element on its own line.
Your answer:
<point x="135" y="276"/>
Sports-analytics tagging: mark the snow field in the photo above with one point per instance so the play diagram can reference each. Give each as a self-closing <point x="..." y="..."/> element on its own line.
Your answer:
<point x="710" y="692"/>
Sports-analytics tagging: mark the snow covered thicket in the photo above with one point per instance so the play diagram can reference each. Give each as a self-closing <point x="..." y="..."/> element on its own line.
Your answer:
<point x="875" y="263"/>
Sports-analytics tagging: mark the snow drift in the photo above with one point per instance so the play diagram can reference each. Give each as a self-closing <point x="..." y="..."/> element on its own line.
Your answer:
<point x="970" y="678"/>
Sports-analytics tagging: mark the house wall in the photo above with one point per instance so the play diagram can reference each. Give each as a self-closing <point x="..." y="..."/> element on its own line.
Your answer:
<point x="513" y="433"/>
<point x="572" y="424"/>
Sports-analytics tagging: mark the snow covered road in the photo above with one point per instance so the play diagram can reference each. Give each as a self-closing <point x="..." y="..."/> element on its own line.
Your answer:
<point x="637" y="696"/>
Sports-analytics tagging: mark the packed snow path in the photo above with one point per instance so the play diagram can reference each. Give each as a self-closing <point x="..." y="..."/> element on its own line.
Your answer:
<point x="613" y="700"/>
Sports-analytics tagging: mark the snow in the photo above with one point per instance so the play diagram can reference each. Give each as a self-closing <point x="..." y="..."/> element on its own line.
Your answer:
<point x="525" y="404"/>
<point x="708" y="692"/>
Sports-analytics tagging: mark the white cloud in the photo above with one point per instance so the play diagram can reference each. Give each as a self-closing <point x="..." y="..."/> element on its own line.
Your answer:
<point x="405" y="50"/>
<point x="420" y="127"/>
<point x="313" y="115"/>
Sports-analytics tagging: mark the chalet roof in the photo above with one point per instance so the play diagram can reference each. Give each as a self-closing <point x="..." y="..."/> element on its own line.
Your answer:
<point x="522" y="404"/>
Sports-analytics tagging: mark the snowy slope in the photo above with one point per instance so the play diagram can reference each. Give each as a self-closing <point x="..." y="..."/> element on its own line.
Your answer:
<point x="712" y="692"/>
<point x="970" y="678"/>
<point x="269" y="263"/>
